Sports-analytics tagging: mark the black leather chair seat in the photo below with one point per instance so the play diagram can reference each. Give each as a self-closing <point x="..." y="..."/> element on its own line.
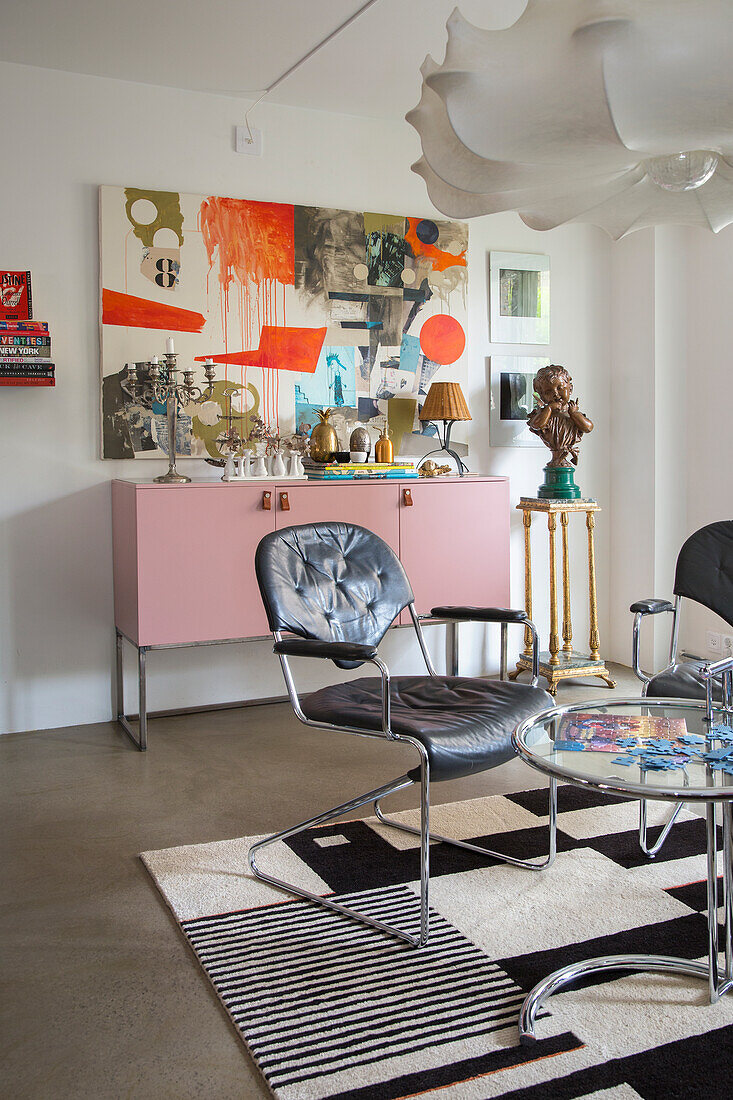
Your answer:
<point x="682" y="681"/>
<point x="464" y="723"/>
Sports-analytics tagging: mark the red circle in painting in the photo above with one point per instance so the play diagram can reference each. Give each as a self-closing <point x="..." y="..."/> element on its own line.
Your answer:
<point x="442" y="339"/>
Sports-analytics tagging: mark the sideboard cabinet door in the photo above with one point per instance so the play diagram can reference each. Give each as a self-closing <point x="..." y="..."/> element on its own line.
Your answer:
<point x="196" y="546"/>
<point x="374" y="506"/>
<point x="454" y="542"/>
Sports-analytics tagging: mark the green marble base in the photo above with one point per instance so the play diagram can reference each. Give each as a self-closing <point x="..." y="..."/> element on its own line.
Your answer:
<point x="566" y="666"/>
<point x="559" y="484"/>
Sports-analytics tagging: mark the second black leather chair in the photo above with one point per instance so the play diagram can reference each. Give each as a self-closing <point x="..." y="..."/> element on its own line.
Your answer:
<point x="335" y="589"/>
<point x="703" y="574"/>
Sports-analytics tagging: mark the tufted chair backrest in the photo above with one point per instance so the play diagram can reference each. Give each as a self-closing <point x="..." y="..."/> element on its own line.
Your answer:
<point x="705" y="568"/>
<point x="336" y="582"/>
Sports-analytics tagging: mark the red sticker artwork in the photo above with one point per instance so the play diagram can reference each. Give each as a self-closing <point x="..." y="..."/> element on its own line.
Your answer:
<point x="132" y="312"/>
<point x="282" y="348"/>
<point x="442" y="339"/>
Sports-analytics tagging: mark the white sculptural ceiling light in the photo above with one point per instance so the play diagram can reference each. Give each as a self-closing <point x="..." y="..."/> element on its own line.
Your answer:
<point x="614" y="113"/>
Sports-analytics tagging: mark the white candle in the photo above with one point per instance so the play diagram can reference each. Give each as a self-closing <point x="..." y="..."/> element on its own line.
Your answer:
<point x="154" y="360"/>
<point x="169" y="346"/>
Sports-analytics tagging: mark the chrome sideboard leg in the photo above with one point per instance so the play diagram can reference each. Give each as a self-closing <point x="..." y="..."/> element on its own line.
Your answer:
<point x="119" y="679"/>
<point x="141" y="740"/>
<point x="452" y="630"/>
<point x="142" y="687"/>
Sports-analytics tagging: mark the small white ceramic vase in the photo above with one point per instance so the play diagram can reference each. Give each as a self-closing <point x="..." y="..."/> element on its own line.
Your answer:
<point x="229" y="469"/>
<point x="278" y="465"/>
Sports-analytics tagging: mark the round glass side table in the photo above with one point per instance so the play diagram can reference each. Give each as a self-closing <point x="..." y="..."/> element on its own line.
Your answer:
<point x="661" y="749"/>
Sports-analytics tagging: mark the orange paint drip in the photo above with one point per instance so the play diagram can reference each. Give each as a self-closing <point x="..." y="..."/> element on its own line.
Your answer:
<point x="253" y="245"/>
<point x="255" y="241"/>
<point x="439" y="259"/>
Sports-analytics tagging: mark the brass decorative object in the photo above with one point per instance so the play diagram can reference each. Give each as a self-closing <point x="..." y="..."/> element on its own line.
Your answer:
<point x="445" y="401"/>
<point x="432" y="469"/>
<point x="560" y="425"/>
<point x="384" y="447"/>
<point x="555" y="663"/>
<point x="323" y="442"/>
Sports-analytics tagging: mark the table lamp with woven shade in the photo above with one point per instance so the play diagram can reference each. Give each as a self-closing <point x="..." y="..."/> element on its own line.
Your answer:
<point x="446" y="402"/>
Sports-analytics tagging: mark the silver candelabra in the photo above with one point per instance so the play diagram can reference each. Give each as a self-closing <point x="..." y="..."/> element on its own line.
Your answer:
<point x="166" y="388"/>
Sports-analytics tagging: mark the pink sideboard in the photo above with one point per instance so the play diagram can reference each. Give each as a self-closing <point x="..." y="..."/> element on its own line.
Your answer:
<point x="169" y="540"/>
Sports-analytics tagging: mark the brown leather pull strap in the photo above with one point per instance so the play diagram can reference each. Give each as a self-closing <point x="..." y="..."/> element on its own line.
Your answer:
<point x="407" y="498"/>
<point x="285" y="502"/>
<point x="267" y="500"/>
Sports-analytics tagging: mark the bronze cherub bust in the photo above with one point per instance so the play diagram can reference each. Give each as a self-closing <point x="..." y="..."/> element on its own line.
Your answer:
<point x="560" y="425"/>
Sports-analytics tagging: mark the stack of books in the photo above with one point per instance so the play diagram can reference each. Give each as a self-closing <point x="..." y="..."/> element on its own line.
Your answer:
<point x="25" y="354"/>
<point x="358" y="471"/>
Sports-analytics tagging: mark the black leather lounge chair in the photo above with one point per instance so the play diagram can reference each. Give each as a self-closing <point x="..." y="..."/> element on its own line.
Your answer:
<point x="334" y="589"/>
<point x="704" y="574"/>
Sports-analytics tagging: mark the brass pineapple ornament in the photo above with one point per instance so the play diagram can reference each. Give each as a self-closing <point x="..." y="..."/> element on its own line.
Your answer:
<point x="324" y="442"/>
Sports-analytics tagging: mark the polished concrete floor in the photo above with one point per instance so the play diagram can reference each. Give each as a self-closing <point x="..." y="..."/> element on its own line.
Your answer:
<point x="101" y="996"/>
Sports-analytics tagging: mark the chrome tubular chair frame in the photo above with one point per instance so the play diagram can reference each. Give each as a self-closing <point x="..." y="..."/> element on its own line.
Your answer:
<point x="392" y="787"/>
<point x="648" y="849"/>
<point x="708" y="672"/>
<point x="663" y="607"/>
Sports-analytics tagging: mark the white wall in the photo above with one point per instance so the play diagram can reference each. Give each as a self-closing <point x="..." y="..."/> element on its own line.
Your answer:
<point x="707" y="397"/>
<point x="672" y="335"/>
<point x="649" y="433"/>
<point x="73" y="133"/>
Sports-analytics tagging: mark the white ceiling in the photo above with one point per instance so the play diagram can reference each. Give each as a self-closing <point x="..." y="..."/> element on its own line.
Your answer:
<point x="239" y="47"/>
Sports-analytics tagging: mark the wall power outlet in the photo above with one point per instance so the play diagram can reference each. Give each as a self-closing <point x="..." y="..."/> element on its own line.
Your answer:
<point x="713" y="641"/>
<point x="726" y="647"/>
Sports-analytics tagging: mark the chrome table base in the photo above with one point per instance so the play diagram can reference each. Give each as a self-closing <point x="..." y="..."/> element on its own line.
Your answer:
<point x="719" y="978"/>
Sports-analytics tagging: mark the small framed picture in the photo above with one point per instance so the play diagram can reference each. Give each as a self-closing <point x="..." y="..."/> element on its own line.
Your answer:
<point x="512" y="399"/>
<point x="519" y="290"/>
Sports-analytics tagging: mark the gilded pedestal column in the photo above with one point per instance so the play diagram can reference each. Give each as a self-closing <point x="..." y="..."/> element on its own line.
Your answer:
<point x="527" y="521"/>
<point x="567" y="625"/>
<point x="594" y="641"/>
<point x="560" y="663"/>
<point x="554" y="640"/>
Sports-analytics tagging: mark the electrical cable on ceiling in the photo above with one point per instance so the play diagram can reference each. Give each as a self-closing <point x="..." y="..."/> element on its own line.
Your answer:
<point x="303" y="59"/>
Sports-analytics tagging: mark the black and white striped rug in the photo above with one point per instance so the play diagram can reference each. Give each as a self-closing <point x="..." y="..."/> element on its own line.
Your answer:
<point x="332" y="1008"/>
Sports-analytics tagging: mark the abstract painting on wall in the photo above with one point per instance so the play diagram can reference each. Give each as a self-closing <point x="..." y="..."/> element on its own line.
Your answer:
<point x="301" y="308"/>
